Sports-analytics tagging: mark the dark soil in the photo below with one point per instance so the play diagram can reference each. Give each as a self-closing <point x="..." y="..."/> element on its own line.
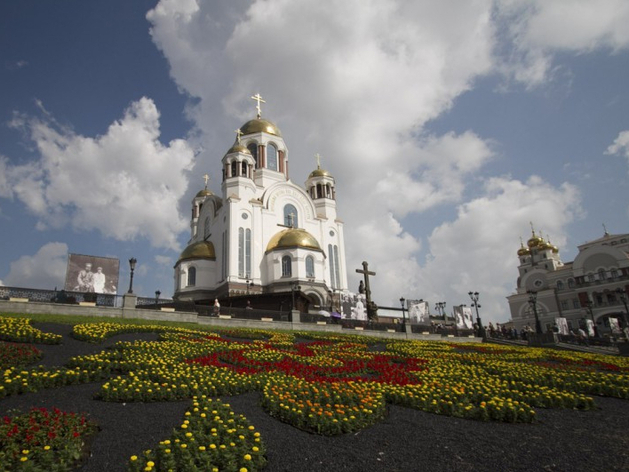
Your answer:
<point x="407" y="440"/>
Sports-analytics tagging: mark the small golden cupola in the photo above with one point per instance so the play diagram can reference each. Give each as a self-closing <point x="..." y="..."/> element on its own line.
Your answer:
<point x="535" y="240"/>
<point x="320" y="183"/>
<point x="523" y="251"/>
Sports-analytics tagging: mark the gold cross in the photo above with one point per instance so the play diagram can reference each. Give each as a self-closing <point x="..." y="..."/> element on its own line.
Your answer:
<point x="206" y="178"/>
<point x="318" y="158"/>
<point x="238" y="135"/>
<point x="258" y="99"/>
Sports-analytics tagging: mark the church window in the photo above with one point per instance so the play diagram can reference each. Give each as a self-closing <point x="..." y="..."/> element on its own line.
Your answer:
<point x="224" y="261"/>
<point x="287" y="263"/>
<point x="310" y="266"/>
<point x="291" y="217"/>
<point x="234" y="167"/>
<point x="253" y="149"/>
<point x="243" y="170"/>
<point x="244" y="252"/>
<point x="206" y="228"/>
<point x="336" y="266"/>
<point x="247" y="252"/>
<point x="333" y="257"/>
<point x="192" y="276"/>
<point x="271" y="157"/>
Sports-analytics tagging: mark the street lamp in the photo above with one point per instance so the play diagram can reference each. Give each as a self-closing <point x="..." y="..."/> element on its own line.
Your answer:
<point x="294" y="287"/>
<point x="248" y="283"/>
<point x="474" y="297"/>
<point x="132" y="262"/>
<point x="533" y="303"/>
<point x="441" y="309"/>
<point x="157" y="294"/>
<point x="402" y="300"/>
<point x="623" y="297"/>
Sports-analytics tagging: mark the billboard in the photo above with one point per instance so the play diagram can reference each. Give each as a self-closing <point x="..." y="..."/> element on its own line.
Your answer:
<point x="463" y="315"/>
<point x="92" y="274"/>
<point x="418" y="311"/>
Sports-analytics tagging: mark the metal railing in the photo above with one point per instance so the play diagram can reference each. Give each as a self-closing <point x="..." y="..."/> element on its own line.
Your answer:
<point x="60" y="296"/>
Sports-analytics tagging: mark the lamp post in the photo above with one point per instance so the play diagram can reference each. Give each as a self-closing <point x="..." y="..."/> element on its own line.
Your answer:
<point x="248" y="283"/>
<point x="623" y="298"/>
<point x="157" y="294"/>
<point x="474" y="297"/>
<point x="441" y="309"/>
<point x="294" y="287"/>
<point x="533" y="303"/>
<point x="402" y="300"/>
<point x="132" y="262"/>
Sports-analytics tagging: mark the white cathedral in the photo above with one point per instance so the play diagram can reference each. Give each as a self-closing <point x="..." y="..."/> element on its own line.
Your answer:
<point x="264" y="234"/>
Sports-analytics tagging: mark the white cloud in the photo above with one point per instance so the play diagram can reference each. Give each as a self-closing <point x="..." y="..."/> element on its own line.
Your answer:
<point x="619" y="147"/>
<point x="125" y="184"/>
<point x="46" y="269"/>
<point x="537" y="29"/>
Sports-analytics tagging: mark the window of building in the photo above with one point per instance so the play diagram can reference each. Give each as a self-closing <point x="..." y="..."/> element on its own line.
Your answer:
<point x="244" y="252"/>
<point x="601" y="274"/>
<point x="590" y="277"/>
<point x="333" y="257"/>
<point x="287" y="270"/>
<point x="192" y="276"/>
<point x="560" y="285"/>
<point x="613" y="274"/>
<point x="291" y="217"/>
<point x="564" y="304"/>
<point x="271" y="157"/>
<point x="253" y="149"/>
<point x="234" y="169"/>
<point x="310" y="266"/>
<point x="570" y="283"/>
<point x="206" y="228"/>
<point x="575" y="303"/>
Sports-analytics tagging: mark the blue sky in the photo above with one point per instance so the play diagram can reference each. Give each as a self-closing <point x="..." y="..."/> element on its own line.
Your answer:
<point x="447" y="125"/>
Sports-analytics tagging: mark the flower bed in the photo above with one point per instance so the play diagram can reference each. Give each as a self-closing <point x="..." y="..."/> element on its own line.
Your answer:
<point x="44" y="440"/>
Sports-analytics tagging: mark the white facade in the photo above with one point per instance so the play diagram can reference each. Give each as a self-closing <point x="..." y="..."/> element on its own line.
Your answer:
<point x="264" y="232"/>
<point x="598" y="277"/>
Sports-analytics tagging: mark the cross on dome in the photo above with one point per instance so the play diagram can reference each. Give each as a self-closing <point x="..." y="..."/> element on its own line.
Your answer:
<point x="206" y="178"/>
<point x="318" y="158"/>
<point x="258" y="99"/>
<point x="238" y="135"/>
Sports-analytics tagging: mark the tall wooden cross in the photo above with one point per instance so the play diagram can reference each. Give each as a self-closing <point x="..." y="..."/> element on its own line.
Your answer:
<point x="366" y="273"/>
<point x="258" y="99"/>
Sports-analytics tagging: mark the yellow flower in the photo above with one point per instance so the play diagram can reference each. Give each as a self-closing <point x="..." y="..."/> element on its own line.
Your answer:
<point x="134" y="458"/>
<point x="247" y="457"/>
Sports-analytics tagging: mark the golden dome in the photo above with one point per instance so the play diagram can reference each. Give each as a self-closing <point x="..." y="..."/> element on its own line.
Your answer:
<point x="259" y="125"/>
<point x="319" y="172"/>
<point x="523" y="251"/>
<point x="291" y="238"/>
<point x="534" y="241"/>
<point x="203" y="193"/>
<point x="237" y="147"/>
<point x="198" y="250"/>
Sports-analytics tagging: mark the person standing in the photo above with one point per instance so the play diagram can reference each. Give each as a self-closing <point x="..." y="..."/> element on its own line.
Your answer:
<point x="85" y="279"/>
<point x="99" y="280"/>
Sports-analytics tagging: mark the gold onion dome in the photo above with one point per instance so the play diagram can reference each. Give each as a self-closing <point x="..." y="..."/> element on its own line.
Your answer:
<point x="203" y="193"/>
<point x="523" y="251"/>
<point x="198" y="250"/>
<point x="259" y="125"/>
<point x="293" y="238"/>
<point x="319" y="172"/>
<point x="534" y="241"/>
<point x="237" y="147"/>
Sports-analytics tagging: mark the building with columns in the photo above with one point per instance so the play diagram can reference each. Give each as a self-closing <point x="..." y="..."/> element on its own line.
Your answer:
<point x="594" y="286"/>
<point x="262" y="233"/>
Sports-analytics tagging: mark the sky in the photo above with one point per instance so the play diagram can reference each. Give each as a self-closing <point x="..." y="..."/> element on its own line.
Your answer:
<point x="449" y="127"/>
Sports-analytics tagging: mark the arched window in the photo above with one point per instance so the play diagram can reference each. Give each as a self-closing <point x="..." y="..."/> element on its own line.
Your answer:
<point x="291" y="217"/>
<point x="287" y="270"/>
<point x="253" y="149"/>
<point x="243" y="170"/>
<point x="192" y="276"/>
<point x="206" y="228"/>
<point x="559" y="285"/>
<point x="234" y="169"/>
<point x="271" y="157"/>
<point x="310" y="266"/>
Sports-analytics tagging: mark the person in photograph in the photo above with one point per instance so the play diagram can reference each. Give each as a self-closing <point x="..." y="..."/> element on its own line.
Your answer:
<point x="99" y="280"/>
<point x="359" y="310"/>
<point x="85" y="279"/>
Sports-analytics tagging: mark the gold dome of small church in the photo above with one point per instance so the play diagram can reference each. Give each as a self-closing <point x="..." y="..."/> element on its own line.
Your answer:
<point x="259" y="125"/>
<point x="198" y="250"/>
<point x="293" y="238"/>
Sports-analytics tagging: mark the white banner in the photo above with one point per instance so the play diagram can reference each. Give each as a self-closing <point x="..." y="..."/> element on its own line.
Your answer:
<point x="463" y="315"/>
<point x="418" y="311"/>
<point x="562" y="324"/>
